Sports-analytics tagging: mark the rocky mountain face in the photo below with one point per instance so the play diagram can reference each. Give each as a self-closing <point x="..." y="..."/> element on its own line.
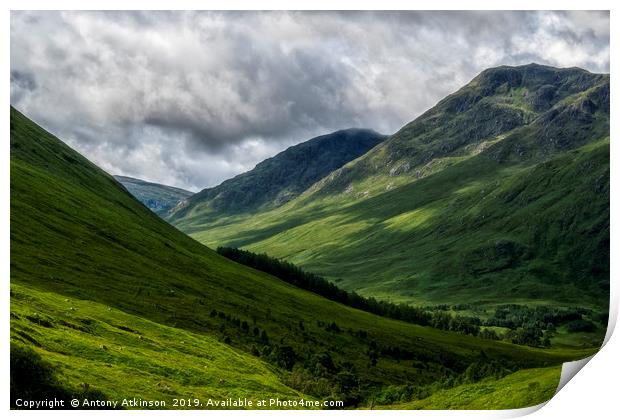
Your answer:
<point x="157" y="197"/>
<point x="283" y="177"/>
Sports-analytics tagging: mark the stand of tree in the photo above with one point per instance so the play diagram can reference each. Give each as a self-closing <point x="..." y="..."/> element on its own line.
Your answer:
<point x="532" y="326"/>
<point x="294" y="275"/>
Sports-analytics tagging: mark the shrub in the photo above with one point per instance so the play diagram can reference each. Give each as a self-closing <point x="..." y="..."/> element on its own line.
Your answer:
<point x="580" y="325"/>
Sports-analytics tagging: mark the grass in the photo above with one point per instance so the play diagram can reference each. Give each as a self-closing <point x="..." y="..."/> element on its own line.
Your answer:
<point x="522" y="389"/>
<point x="126" y="356"/>
<point x="79" y="240"/>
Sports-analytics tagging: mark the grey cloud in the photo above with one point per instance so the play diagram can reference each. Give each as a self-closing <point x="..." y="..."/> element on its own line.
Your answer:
<point x="21" y="84"/>
<point x="192" y="98"/>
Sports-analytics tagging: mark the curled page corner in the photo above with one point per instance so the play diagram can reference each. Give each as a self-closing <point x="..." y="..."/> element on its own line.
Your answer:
<point x="522" y="412"/>
<point x="613" y="316"/>
<point x="569" y="370"/>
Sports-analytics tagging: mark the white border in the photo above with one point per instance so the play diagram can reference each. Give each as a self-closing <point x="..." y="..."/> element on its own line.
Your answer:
<point x="592" y="393"/>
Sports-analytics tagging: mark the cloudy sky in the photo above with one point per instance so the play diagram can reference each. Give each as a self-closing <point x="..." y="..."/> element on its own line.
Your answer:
<point x="192" y="98"/>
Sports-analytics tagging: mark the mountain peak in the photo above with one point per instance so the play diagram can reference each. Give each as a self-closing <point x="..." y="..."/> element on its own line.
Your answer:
<point x="532" y="68"/>
<point x="284" y="176"/>
<point x="494" y="103"/>
<point x="533" y="77"/>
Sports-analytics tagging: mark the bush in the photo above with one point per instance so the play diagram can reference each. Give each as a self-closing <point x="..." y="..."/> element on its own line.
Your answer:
<point x="488" y="334"/>
<point x="581" y="325"/>
<point x="284" y="356"/>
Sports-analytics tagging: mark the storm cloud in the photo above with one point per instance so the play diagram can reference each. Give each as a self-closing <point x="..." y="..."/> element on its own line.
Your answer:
<point x="192" y="98"/>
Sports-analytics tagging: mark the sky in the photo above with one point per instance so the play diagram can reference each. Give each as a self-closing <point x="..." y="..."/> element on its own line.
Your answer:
<point x="190" y="99"/>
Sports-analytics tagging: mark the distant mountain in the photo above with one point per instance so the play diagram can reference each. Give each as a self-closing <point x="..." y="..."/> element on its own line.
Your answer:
<point x="157" y="197"/>
<point x="281" y="178"/>
<point x="499" y="193"/>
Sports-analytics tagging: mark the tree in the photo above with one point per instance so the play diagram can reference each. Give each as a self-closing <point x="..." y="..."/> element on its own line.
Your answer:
<point x="285" y="357"/>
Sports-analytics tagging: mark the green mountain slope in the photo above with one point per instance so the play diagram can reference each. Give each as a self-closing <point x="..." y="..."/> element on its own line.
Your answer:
<point x="116" y="302"/>
<point x="93" y="347"/>
<point x="498" y="194"/>
<point x="281" y="178"/>
<point x="157" y="197"/>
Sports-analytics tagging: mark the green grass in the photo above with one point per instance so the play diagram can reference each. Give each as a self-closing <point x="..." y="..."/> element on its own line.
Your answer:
<point x="126" y="356"/>
<point x="79" y="240"/>
<point x="522" y="389"/>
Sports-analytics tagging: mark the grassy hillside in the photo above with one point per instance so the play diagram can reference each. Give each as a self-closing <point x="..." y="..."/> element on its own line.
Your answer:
<point x="522" y="389"/>
<point x="157" y="197"/>
<point x="94" y="347"/>
<point x="498" y="194"/>
<point x="92" y="268"/>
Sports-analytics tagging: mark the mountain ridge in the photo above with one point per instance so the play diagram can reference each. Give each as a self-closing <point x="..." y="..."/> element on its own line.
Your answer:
<point x="281" y="178"/>
<point x="159" y="198"/>
<point x="380" y="224"/>
<point x="450" y="120"/>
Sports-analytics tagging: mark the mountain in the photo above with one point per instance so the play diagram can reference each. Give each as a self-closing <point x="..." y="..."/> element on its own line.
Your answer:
<point x="157" y="197"/>
<point x="281" y="178"/>
<point x="555" y="106"/>
<point x="110" y="302"/>
<point x="498" y="194"/>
